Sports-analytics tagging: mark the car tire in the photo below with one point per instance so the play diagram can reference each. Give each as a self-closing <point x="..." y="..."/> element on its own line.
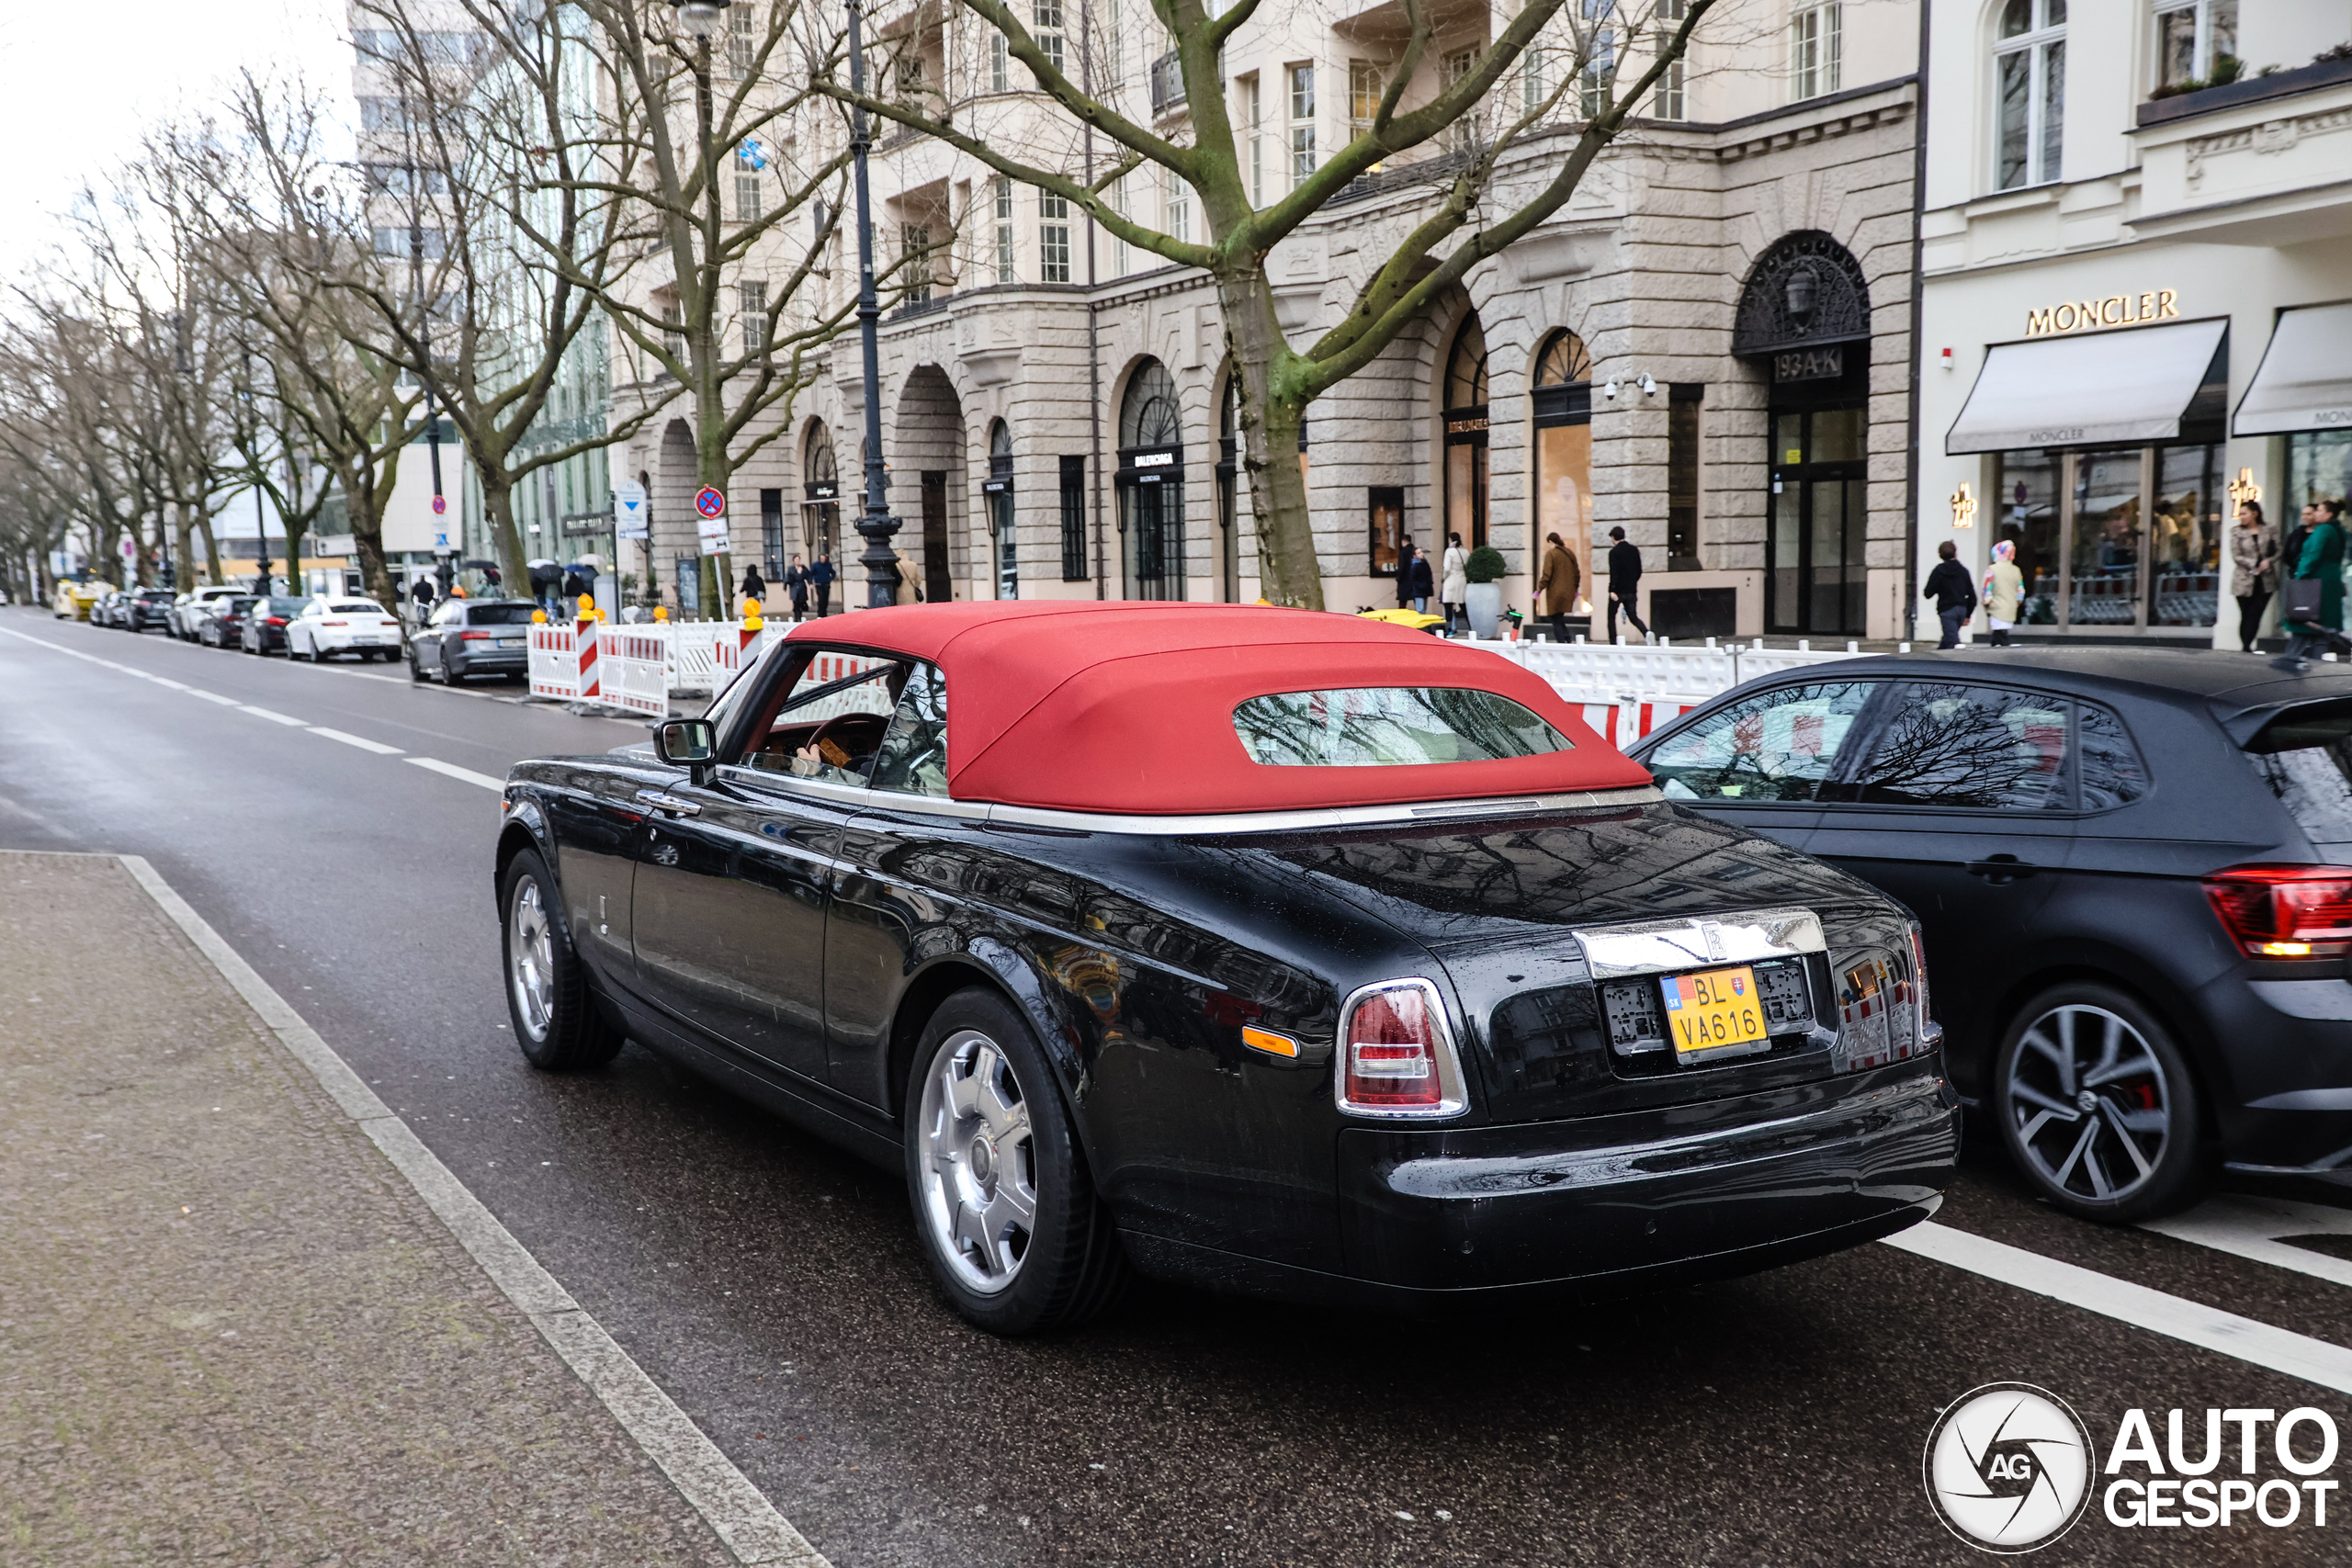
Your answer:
<point x="555" y="1020"/>
<point x="2098" y="1108"/>
<point x="986" y="1121"/>
<point x="415" y="671"/>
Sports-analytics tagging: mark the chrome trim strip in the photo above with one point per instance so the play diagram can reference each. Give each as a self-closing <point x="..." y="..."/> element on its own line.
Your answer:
<point x="1223" y="824"/>
<point x="1454" y="1099"/>
<point x="1661" y="947"/>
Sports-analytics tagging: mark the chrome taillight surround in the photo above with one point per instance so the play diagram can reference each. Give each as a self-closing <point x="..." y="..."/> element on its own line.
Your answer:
<point x="1453" y="1099"/>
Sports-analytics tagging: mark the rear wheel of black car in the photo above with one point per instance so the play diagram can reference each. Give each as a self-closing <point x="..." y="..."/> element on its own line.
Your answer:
<point x="1011" y="1230"/>
<point x="2097" y="1106"/>
<point x="556" y="1022"/>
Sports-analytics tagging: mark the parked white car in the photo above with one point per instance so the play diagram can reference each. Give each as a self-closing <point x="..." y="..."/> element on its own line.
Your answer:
<point x="190" y="608"/>
<point x="330" y="625"/>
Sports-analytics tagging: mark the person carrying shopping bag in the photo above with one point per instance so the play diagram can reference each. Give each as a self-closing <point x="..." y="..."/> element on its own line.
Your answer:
<point x="1454" y="584"/>
<point x="2254" y="560"/>
<point x="2312" y="615"/>
<point x="2004" y="590"/>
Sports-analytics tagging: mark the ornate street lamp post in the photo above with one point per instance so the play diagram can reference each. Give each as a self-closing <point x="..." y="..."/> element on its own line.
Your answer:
<point x="876" y="522"/>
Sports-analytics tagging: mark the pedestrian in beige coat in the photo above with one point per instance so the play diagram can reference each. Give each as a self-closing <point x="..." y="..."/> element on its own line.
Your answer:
<point x="1557" y="585"/>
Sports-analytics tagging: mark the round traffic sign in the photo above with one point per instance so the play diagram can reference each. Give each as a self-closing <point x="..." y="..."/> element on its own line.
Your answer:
<point x="709" y="502"/>
<point x="440" y="504"/>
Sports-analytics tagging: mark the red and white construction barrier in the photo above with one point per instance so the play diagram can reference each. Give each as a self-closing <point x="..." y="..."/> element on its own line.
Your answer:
<point x="555" y="662"/>
<point x="1622" y="720"/>
<point x="636" y="664"/>
<point x="592" y="683"/>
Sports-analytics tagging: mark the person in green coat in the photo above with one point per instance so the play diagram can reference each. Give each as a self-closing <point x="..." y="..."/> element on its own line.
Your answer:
<point x="2322" y="557"/>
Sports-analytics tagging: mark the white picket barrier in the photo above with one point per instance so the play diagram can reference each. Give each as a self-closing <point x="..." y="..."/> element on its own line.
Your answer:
<point x="1610" y="673"/>
<point x="555" y="663"/>
<point x="692" y="648"/>
<point x="635" y="665"/>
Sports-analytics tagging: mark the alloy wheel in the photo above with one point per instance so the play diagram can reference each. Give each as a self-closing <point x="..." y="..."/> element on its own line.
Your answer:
<point x="530" y="958"/>
<point x="2091" y="1105"/>
<point x="979" y="1167"/>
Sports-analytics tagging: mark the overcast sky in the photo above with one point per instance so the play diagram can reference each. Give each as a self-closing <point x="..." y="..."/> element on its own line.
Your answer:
<point x="82" y="81"/>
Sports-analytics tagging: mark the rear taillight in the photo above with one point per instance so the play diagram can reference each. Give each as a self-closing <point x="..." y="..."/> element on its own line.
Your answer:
<point x="473" y="636"/>
<point x="334" y="622"/>
<point x="1396" y="1055"/>
<point x="1930" y="1033"/>
<point x="274" y="621"/>
<point x="2284" y="911"/>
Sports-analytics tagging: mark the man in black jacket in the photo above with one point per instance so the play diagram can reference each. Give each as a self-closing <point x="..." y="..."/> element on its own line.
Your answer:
<point x="1954" y="593"/>
<point x="1624" y="584"/>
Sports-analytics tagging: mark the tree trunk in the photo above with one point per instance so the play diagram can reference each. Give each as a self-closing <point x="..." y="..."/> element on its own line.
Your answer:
<point x="1288" y="571"/>
<point x="182" y="548"/>
<point x="211" y="547"/>
<point x="498" y="517"/>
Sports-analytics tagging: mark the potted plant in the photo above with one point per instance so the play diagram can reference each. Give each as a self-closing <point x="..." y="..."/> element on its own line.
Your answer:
<point x="1485" y="570"/>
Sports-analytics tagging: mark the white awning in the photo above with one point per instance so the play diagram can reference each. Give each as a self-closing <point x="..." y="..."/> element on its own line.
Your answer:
<point x="2122" y="387"/>
<point x="2305" y="381"/>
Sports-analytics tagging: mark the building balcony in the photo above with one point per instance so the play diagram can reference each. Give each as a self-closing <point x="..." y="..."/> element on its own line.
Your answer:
<point x="2262" y="160"/>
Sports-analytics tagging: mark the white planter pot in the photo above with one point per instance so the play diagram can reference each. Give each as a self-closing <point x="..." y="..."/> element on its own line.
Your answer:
<point x="1485" y="605"/>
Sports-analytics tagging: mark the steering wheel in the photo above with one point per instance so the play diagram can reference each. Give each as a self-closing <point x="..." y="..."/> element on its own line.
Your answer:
<point x="839" y="723"/>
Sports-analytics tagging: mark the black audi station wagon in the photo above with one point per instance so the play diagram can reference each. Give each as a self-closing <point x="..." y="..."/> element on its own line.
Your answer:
<point x="1276" y="952"/>
<point x="2134" y="870"/>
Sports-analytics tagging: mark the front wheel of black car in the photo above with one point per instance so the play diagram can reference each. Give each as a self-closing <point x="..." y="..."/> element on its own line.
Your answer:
<point x="556" y="1022"/>
<point x="2097" y="1106"/>
<point x="1011" y="1229"/>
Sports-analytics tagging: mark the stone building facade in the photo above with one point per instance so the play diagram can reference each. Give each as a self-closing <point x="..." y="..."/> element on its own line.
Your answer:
<point x="1710" y="346"/>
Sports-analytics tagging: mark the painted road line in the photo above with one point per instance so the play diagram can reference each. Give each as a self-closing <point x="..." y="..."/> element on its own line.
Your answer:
<point x="746" y="1521"/>
<point x="2251" y="1227"/>
<point x="273" y="717"/>
<point x="363" y="743"/>
<point x="2192" y="1323"/>
<point x="167" y="681"/>
<point x="451" y="770"/>
<point x="214" y="697"/>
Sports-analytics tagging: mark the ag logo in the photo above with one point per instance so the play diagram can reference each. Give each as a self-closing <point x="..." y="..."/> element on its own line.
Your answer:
<point x="2009" y="1467"/>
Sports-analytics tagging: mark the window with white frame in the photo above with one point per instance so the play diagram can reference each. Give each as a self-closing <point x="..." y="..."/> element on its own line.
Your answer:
<point x="751" y="309"/>
<point x="1118" y="196"/>
<point x="747" y="185"/>
<point x="1053" y="238"/>
<point x="914" y="245"/>
<point x="1004" y="269"/>
<point x="1599" y="86"/>
<point x="1301" y="122"/>
<point x="742" y="40"/>
<point x="1668" y="102"/>
<point x="1177" y="210"/>
<point x="1365" y="89"/>
<point x="999" y="64"/>
<point x="2030" y="93"/>
<point x="1534" y="79"/>
<point x="1816" y="49"/>
<point x="1252" y="121"/>
<point x="1453" y="68"/>
<point x="2196" y="44"/>
<point x="1046" y="19"/>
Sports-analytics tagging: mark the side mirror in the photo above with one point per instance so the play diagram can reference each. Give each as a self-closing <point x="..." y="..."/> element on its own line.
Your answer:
<point x="688" y="743"/>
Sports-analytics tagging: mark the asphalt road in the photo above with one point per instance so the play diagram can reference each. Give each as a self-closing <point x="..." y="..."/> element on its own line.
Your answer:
<point x="772" y="1285"/>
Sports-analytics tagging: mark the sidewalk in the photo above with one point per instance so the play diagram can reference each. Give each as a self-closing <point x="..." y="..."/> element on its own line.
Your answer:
<point x="230" y="1331"/>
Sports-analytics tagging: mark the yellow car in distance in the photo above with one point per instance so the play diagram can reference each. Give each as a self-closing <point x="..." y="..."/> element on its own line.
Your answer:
<point x="1415" y="620"/>
<point x="73" y="600"/>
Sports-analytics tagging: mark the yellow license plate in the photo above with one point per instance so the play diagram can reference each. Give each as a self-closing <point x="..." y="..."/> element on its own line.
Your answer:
<point x="1716" y="1010"/>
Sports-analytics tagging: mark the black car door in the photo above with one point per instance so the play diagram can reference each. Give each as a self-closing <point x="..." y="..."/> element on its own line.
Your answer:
<point x="599" y="825"/>
<point x="732" y="889"/>
<point x="1961" y="804"/>
<point x="1761" y="761"/>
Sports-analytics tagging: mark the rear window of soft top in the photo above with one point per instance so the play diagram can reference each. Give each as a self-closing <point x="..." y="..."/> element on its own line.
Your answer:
<point x="1356" y="726"/>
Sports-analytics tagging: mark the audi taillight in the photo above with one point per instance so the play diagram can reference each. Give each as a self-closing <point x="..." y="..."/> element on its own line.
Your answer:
<point x="473" y="636"/>
<point x="1396" y="1055"/>
<point x="2284" y="911"/>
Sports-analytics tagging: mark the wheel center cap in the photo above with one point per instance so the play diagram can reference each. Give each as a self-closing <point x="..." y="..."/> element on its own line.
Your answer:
<point x="982" y="1159"/>
<point x="2087" y="1101"/>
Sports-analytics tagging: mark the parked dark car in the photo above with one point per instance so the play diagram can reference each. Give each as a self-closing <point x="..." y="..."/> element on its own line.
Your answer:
<point x="1271" y="951"/>
<point x="262" y="630"/>
<point x="224" y="624"/>
<point x="464" y="637"/>
<point x="2134" y="870"/>
<point x="142" y="607"/>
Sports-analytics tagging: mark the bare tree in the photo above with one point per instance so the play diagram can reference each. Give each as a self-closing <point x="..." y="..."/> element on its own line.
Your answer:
<point x="1500" y="153"/>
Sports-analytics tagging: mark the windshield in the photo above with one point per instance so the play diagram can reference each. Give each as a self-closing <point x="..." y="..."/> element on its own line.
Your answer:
<point x="1356" y="726"/>
<point x="286" y="607"/>
<point x="355" y="609"/>
<point x="499" y="615"/>
<point x="2304" y="757"/>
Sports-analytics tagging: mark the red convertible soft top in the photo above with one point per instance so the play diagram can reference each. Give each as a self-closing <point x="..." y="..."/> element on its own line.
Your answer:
<point x="1127" y="708"/>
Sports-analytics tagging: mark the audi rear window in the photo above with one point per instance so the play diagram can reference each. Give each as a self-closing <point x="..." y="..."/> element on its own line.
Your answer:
<point x="2304" y="757"/>
<point x="1358" y="726"/>
<point x="499" y="615"/>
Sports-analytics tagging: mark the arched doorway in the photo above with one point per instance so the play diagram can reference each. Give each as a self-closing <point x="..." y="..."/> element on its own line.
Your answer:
<point x="1563" y="413"/>
<point x="820" y="507"/>
<point x="1465" y="422"/>
<point x="931" y="442"/>
<point x="1152" y="485"/>
<point x="1804" y="320"/>
<point x="997" y="489"/>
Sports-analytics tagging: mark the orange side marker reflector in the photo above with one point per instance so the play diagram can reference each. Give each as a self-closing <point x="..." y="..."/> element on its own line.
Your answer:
<point x="1266" y="1040"/>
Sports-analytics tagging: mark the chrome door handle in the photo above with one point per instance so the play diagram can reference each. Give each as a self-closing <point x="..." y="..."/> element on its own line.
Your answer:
<point x="660" y="801"/>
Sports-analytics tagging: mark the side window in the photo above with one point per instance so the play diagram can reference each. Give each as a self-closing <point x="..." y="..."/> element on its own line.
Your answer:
<point x="1950" y="743"/>
<point x="828" y="723"/>
<point x="913" y="755"/>
<point x="1778" y="745"/>
<point x="447" y="615"/>
<point x="2112" y="773"/>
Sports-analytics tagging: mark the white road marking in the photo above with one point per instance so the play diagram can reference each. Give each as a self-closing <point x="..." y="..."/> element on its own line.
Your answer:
<point x="746" y="1521"/>
<point x="273" y="717"/>
<point x="451" y="770"/>
<point x="213" y="697"/>
<point x="2193" y="1322"/>
<point x="2249" y="1227"/>
<point x="363" y="744"/>
<point x="167" y="681"/>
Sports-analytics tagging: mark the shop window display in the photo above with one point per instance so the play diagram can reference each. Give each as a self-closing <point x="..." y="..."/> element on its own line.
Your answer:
<point x="2027" y="489"/>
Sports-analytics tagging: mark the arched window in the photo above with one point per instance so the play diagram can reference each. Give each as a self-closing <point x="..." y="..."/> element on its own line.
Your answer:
<point x="821" y="510"/>
<point x="2030" y="93"/>
<point x="1152" y="485"/>
<point x="998" y="489"/>
<point x="1563" y="409"/>
<point x="1466" y="434"/>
